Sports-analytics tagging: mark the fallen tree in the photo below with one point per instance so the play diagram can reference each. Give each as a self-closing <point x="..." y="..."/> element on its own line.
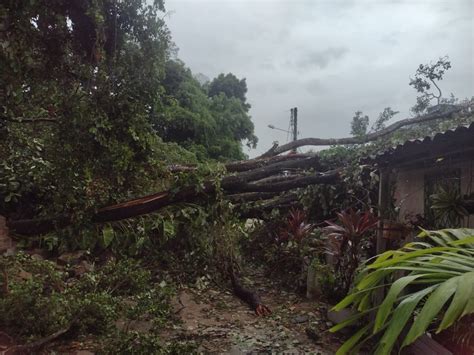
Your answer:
<point x="239" y="183"/>
<point x="265" y="177"/>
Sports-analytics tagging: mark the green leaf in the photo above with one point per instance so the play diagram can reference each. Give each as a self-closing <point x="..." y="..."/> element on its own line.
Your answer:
<point x="443" y="275"/>
<point x="431" y="309"/>
<point x="399" y="319"/>
<point x="386" y="307"/>
<point x="351" y="320"/>
<point x="464" y="292"/>
<point x="353" y="340"/>
<point x="108" y="235"/>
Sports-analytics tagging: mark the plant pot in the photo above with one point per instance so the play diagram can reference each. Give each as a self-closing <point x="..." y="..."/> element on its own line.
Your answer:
<point x="337" y="317"/>
<point x="393" y="230"/>
<point x="425" y="345"/>
<point x="313" y="289"/>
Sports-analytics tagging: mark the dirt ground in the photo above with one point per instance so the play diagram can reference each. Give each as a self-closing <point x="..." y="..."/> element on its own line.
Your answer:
<point x="221" y="323"/>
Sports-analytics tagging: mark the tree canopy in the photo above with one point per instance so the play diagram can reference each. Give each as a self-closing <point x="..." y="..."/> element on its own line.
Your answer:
<point x="210" y="125"/>
<point x="94" y="105"/>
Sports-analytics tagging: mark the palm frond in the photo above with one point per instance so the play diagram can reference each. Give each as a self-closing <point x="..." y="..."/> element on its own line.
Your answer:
<point x="443" y="266"/>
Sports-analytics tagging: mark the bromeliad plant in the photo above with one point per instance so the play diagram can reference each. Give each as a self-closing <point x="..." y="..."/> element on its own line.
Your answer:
<point x="437" y="284"/>
<point x="448" y="208"/>
<point x="345" y="242"/>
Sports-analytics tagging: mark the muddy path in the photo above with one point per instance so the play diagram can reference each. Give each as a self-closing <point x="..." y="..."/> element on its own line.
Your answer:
<point x="220" y="323"/>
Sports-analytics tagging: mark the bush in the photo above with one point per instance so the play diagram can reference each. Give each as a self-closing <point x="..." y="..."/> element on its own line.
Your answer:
<point x="38" y="299"/>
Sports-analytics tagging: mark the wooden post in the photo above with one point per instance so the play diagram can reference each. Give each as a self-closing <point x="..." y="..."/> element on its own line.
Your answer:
<point x="384" y="205"/>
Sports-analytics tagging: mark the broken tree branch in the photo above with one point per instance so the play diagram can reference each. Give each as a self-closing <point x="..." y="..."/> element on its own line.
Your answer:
<point x="360" y="140"/>
<point x="257" y="174"/>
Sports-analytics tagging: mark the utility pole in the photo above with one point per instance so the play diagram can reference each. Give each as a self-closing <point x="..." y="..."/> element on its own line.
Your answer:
<point x="293" y="129"/>
<point x="294" y="124"/>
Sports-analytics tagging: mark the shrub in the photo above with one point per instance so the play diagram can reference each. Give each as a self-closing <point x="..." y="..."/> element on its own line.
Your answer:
<point x="38" y="299"/>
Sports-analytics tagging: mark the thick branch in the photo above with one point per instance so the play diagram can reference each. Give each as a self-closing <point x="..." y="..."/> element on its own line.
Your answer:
<point x="278" y="178"/>
<point x="229" y="182"/>
<point x="360" y="140"/>
<point x="318" y="178"/>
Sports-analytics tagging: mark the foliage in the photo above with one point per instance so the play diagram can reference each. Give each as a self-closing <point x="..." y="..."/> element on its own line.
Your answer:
<point x="91" y="71"/>
<point x="359" y="124"/>
<point x="448" y="207"/>
<point x="346" y="242"/>
<point x="191" y="240"/>
<point x="288" y="244"/>
<point x="386" y="115"/>
<point x="326" y="280"/>
<point x="212" y="126"/>
<point x="94" y="108"/>
<point x="437" y="284"/>
<point x="39" y="298"/>
<point x="139" y="343"/>
<point x="31" y="304"/>
<point x="230" y="86"/>
<point x="357" y="189"/>
<point x="426" y="76"/>
<point x="296" y="227"/>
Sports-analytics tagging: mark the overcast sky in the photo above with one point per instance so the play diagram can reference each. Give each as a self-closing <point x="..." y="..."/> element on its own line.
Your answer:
<point x="328" y="58"/>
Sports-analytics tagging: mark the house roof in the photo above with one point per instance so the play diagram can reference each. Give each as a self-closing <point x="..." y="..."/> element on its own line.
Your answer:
<point x="459" y="140"/>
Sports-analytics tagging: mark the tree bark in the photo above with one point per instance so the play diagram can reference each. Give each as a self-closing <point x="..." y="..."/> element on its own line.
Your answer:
<point x="318" y="178"/>
<point x="229" y="182"/>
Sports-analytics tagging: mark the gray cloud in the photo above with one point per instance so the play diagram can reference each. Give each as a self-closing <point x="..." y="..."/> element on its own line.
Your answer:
<point x="315" y="86"/>
<point x="321" y="59"/>
<point x="328" y="58"/>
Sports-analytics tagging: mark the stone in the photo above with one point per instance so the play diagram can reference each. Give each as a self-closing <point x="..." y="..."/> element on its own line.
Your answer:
<point x="300" y="319"/>
<point x="312" y="334"/>
<point x="83" y="267"/>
